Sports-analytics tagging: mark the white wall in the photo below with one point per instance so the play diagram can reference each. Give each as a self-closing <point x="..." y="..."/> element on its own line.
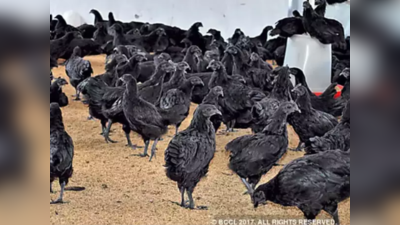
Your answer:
<point x="225" y="15"/>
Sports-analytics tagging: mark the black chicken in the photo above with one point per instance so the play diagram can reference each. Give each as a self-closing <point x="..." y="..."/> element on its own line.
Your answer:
<point x="112" y="107"/>
<point x="288" y="27"/>
<point x="97" y="17"/>
<point x="279" y="55"/>
<point x="87" y="30"/>
<point x="56" y="94"/>
<point x="93" y="89"/>
<point x="257" y="62"/>
<point x="59" y="46"/>
<point x="337" y="138"/>
<point x="147" y="69"/>
<point x="252" y="156"/>
<point x="190" y="152"/>
<point x="176" y="80"/>
<point x="281" y="92"/>
<point x="77" y="69"/>
<point x="192" y="56"/>
<point x="125" y="26"/>
<point x="142" y="116"/>
<point x="216" y="34"/>
<point x="240" y="65"/>
<point x="87" y="46"/>
<point x="326" y="102"/>
<point x="176" y="102"/>
<point x="121" y="66"/>
<point x="152" y="89"/>
<point x="175" y="34"/>
<point x="157" y="41"/>
<point x="101" y="35"/>
<point x="311" y="183"/>
<point x="327" y="31"/>
<point x="238" y="98"/>
<point x="118" y="35"/>
<point x="213" y="99"/>
<point x="195" y="37"/>
<point x="309" y="122"/>
<point x="61" y="151"/>
<point x="237" y="35"/>
<point x="272" y="45"/>
<point x="62" y="27"/>
<point x="261" y="39"/>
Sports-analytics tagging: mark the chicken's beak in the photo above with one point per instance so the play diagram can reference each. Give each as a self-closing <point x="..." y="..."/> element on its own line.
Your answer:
<point x="216" y="112"/>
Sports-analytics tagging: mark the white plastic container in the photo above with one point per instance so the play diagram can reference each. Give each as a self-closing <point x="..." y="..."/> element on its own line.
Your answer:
<point x="313" y="58"/>
<point x="341" y="13"/>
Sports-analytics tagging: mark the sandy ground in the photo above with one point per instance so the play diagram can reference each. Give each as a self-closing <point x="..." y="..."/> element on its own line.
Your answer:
<point x="125" y="189"/>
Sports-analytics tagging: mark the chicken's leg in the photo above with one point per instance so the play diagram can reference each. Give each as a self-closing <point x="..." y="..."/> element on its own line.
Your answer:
<point x="146" y="147"/>
<point x="60" y="199"/>
<point x="77" y="95"/>
<point x="107" y="132"/>
<point x="153" y="149"/>
<point x="191" y="201"/>
<point x="182" y="190"/>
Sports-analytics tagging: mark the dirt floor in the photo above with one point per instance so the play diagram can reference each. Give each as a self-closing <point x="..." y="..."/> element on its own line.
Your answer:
<point x="125" y="189"/>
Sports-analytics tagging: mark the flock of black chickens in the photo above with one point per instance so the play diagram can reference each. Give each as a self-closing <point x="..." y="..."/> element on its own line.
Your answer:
<point x="154" y="72"/>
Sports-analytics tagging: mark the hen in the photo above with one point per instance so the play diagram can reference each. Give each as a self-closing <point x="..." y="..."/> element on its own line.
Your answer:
<point x="61" y="151"/>
<point x="311" y="183"/>
<point x="142" y="116"/>
<point x="337" y="138"/>
<point x="176" y="80"/>
<point x="327" y="31"/>
<point x="288" y="27"/>
<point x="252" y="156"/>
<point x="238" y="98"/>
<point x="310" y="122"/>
<point x="195" y="37"/>
<point x="190" y="152"/>
<point x="281" y="92"/>
<point x="56" y="94"/>
<point x="213" y="99"/>
<point x="326" y="102"/>
<point x="77" y="69"/>
<point x="176" y="102"/>
<point x="59" y="46"/>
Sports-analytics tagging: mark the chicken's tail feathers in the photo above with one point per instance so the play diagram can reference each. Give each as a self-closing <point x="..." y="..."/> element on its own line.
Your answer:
<point x="314" y="145"/>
